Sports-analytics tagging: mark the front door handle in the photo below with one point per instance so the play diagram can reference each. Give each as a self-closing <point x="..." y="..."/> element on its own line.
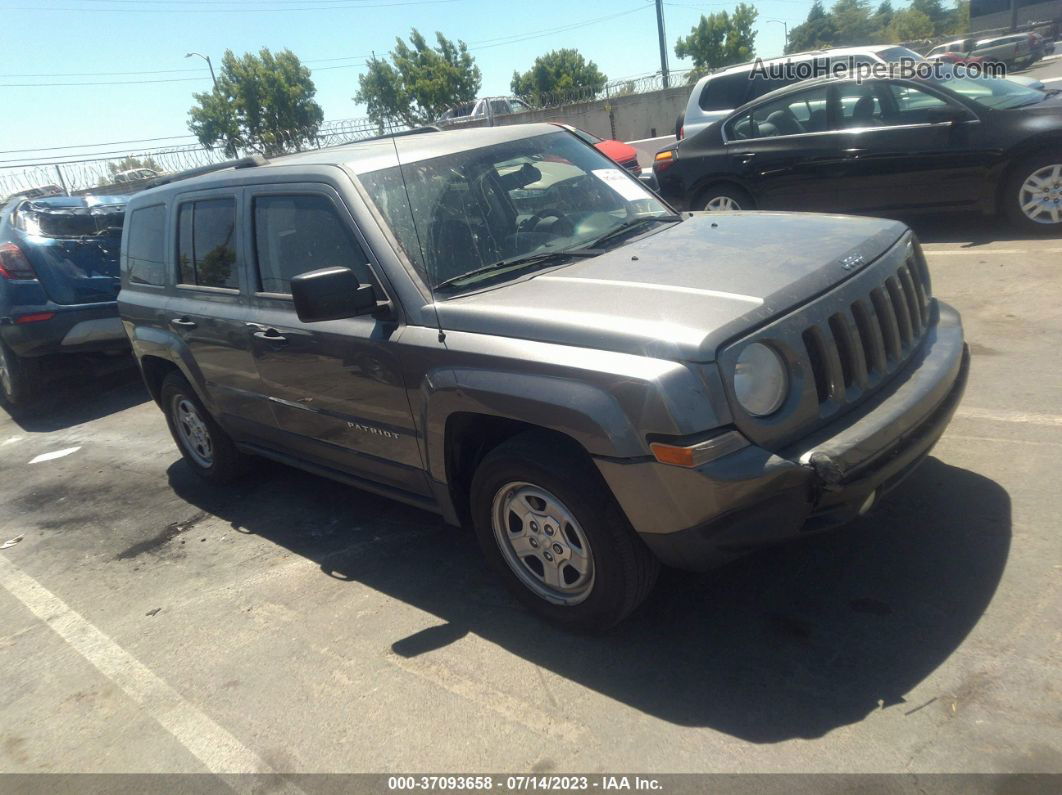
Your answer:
<point x="183" y="322"/>
<point x="852" y="154"/>
<point x="270" y="335"/>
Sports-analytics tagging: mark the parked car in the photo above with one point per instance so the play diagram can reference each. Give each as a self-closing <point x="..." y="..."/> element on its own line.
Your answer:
<point x="58" y="284"/>
<point x="880" y="146"/>
<point x="135" y="175"/>
<point x="1015" y="49"/>
<point x="482" y="109"/>
<point x="717" y="94"/>
<point x="624" y="154"/>
<point x="591" y="382"/>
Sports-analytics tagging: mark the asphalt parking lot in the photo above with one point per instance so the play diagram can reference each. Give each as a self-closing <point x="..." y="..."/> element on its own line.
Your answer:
<point x="153" y="623"/>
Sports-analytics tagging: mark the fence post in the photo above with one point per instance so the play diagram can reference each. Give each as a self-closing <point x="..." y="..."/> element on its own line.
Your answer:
<point x="62" y="182"/>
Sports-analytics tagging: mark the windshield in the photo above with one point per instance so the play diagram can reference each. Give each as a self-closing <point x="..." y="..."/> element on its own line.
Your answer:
<point x="992" y="92"/>
<point x="487" y="206"/>
<point x="896" y="54"/>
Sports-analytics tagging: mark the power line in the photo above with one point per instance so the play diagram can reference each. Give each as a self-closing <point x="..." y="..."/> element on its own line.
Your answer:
<point x="482" y="44"/>
<point x="232" y="10"/>
<point x="93" y="146"/>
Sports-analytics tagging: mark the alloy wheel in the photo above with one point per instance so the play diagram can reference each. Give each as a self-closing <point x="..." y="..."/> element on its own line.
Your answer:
<point x="543" y="543"/>
<point x="719" y="203"/>
<point x="1040" y="196"/>
<point x="193" y="431"/>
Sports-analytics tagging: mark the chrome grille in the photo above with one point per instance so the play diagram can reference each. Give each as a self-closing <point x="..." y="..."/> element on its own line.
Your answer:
<point x="856" y="348"/>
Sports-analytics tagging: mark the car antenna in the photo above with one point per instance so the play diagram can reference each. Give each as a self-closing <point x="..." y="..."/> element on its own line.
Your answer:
<point x="416" y="229"/>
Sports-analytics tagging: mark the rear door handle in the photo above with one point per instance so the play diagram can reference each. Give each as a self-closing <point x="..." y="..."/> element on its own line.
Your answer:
<point x="745" y="157"/>
<point x="183" y="322"/>
<point x="852" y="154"/>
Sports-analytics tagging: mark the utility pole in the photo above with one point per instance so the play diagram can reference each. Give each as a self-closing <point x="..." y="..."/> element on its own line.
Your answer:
<point x="663" y="43"/>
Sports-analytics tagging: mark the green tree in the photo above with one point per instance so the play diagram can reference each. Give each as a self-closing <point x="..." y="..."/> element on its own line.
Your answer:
<point x="960" y="18"/>
<point x="720" y="39"/>
<point x="419" y="82"/>
<point x="264" y="103"/>
<point x="558" y="72"/>
<point x="816" y="32"/>
<point x="881" y="20"/>
<point x="910" y="24"/>
<point x="852" y="22"/>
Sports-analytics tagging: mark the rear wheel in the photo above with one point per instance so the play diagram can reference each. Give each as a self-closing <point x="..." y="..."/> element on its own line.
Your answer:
<point x="723" y="198"/>
<point x="18" y="377"/>
<point x="205" y="446"/>
<point x="1032" y="197"/>
<point x="549" y="526"/>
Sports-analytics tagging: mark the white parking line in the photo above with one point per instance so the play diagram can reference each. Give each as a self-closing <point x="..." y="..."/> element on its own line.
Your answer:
<point x="54" y="454"/>
<point x="1051" y="80"/>
<point x="948" y="252"/>
<point x="1003" y="415"/>
<point x="212" y="745"/>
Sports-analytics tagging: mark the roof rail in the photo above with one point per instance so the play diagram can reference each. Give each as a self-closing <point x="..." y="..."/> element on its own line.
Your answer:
<point x="429" y="128"/>
<point x="243" y="162"/>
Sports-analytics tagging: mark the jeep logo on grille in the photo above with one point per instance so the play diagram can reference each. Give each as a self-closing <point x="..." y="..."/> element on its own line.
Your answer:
<point x="852" y="261"/>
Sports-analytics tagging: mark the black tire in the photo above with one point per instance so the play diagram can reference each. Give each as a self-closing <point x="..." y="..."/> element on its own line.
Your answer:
<point x="679" y="122"/>
<point x="19" y="378"/>
<point x="1011" y="200"/>
<point x="224" y="463"/>
<point x="716" y="193"/>
<point x="623" y="569"/>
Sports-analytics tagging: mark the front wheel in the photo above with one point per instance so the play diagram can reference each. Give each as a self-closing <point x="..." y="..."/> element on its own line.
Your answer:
<point x="18" y="377"/>
<point x="1032" y="197"/>
<point x="723" y="198"/>
<point x="549" y="526"/>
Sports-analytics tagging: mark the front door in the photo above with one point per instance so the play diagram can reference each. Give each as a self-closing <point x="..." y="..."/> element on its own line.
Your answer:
<point x="905" y="151"/>
<point x="336" y="387"/>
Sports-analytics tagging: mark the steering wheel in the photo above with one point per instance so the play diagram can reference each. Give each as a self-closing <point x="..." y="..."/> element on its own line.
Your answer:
<point x="531" y="223"/>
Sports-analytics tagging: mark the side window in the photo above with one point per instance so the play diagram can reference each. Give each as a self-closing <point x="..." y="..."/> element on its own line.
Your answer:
<point x="859" y="106"/>
<point x="296" y="234"/>
<point x="913" y="105"/>
<point x="795" y="114"/>
<point x="725" y="92"/>
<point x="145" y="251"/>
<point x="206" y="244"/>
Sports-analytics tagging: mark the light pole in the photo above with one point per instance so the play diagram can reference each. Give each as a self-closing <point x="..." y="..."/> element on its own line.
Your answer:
<point x="785" y="27"/>
<point x="209" y="64"/>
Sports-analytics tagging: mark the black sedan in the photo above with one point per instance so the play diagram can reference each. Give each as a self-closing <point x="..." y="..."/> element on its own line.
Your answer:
<point x="879" y="146"/>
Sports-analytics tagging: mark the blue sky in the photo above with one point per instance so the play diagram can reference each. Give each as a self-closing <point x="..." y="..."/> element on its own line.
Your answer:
<point x="78" y="41"/>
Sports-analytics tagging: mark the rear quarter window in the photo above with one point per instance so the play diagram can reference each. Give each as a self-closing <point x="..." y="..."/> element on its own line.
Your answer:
<point x="145" y="246"/>
<point x="725" y="92"/>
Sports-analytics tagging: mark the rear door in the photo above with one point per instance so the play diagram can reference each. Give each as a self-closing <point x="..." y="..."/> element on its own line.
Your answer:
<point x="209" y="306"/>
<point x="785" y="153"/>
<point x="336" y="387"/>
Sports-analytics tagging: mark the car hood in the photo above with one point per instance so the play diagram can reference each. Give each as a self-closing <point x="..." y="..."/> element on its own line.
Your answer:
<point x="684" y="291"/>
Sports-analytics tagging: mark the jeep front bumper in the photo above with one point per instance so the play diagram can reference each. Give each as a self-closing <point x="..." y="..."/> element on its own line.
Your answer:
<point x="697" y="518"/>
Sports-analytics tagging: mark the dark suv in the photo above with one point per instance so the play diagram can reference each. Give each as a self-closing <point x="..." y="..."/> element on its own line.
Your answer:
<point x="58" y="284"/>
<point x="503" y="326"/>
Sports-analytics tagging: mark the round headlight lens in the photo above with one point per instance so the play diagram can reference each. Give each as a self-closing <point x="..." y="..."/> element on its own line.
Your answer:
<point x="760" y="380"/>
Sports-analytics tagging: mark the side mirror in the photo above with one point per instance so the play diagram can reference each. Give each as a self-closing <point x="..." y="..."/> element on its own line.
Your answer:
<point x="331" y="294"/>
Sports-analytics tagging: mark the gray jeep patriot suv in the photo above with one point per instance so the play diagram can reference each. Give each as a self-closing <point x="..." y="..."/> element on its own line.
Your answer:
<point x="502" y="326"/>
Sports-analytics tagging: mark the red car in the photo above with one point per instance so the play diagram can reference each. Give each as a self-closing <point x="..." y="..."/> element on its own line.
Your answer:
<point x="624" y="154"/>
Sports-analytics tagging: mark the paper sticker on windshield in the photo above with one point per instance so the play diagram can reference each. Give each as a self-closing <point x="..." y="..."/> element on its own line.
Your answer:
<point x="620" y="182"/>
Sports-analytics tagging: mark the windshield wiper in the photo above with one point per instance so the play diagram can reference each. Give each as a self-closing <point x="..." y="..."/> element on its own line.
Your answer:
<point x="627" y="226"/>
<point x="512" y="263"/>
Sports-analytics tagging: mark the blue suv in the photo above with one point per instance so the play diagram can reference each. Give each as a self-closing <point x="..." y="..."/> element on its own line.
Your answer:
<point x="58" y="284"/>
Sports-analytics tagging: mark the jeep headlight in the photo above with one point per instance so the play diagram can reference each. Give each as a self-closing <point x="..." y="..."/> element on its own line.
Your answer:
<point x="760" y="380"/>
